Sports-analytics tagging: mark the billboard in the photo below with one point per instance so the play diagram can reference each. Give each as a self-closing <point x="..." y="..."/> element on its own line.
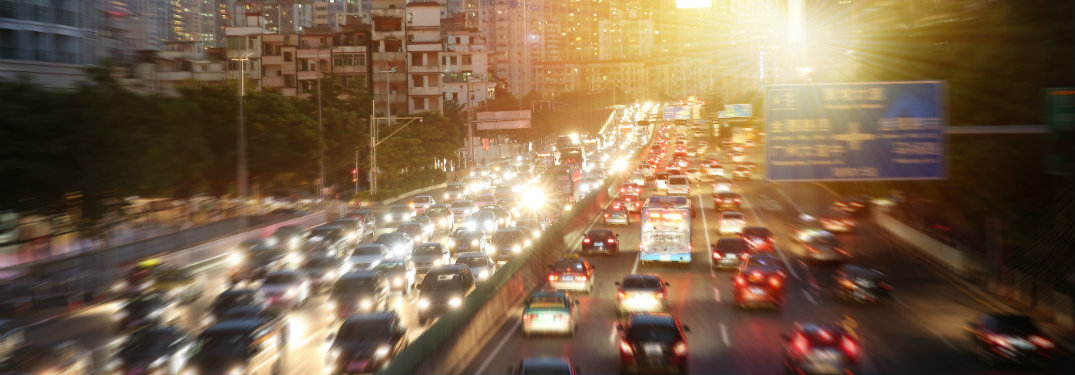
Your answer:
<point x="738" y="110"/>
<point x="855" y="131"/>
<point x="677" y="113"/>
<point x="503" y="120"/>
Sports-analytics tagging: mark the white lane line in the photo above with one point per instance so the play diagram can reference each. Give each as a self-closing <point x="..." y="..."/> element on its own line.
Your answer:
<point x="809" y="297"/>
<point x="786" y="197"/>
<point x="724" y="335"/>
<point x="500" y="345"/>
<point x="612" y="335"/>
<point x="777" y="249"/>
<point x="716" y="293"/>
<point x="944" y="339"/>
<point x="705" y="228"/>
<point x="634" y="269"/>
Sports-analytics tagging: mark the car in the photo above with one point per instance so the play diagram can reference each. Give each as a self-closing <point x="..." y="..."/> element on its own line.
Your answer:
<point x="249" y="346"/>
<point x="820" y="349"/>
<point x="367" y="217"/>
<point x="399" y="244"/>
<point x="428" y="226"/>
<point x="180" y="284"/>
<point x="661" y="180"/>
<point x="760" y="238"/>
<point x="713" y="168"/>
<point x="505" y="243"/>
<point x="631" y="188"/>
<point x="861" y="284"/>
<point x="352" y="226"/>
<point x="534" y="225"/>
<point x="1010" y="339"/>
<point x="289" y="235"/>
<point x="420" y="203"/>
<point x="443" y="290"/>
<point x="484" y="220"/>
<point x="641" y="293"/>
<point x="759" y="286"/>
<point x="637" y="178"/>
<point x="600" y="241"/>
<point x="467" y="240"/>
<point x="360" y="292"/>
<point x="549" y="312"/>
<point x="148" y="309"/>
<point x="543" y="366"/>
<point x="806" y="227"/>
<point x="762" y="259"/>
<point x="366" y="342"/>
<point x="647" y="169"/>
<point x="632" y="202"/>
<point x="428" y="255"/>
<point x="322" y="271"/>
<point x="836" y="221"/>
<point x="158" y="350"/>
<point x="256" y="312"/>
<point x="39" y="358"/>
<point x="571" y="272"/>
<point x="366" y="255"/>
<point x="254" y="264"/>
<point x="328" y="238"/>
<point x="400" y="273"/>
<point x="454" y="191"/>
<point x="825" y="248"/>
<point x="653" y="342"/>
<point x="616" y="213"/>
<point x="485" y="200"/>
<point x="728" y="252"/>
<point x="442" y="217"/>
<point x="286" y="289"/>
<point x="732" y="222"/>
<point x="678" y="185"/>
<point x="722" y="184"/>
<point x="481" y="266"/>
<point x="740" y="172"/>
<point x="503" y="216"/>
<point x="232" y="298"/>
<point x="398" y="213"/>
<point x="853" y="205"/>
<point x="727" y="200"/>
<point x="462" y="209"/>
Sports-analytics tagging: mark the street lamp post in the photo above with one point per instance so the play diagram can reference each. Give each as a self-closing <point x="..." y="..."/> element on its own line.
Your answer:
<point x="470" y="123"/>
<point x="374" y="130"/>
<point x="241" y="170"/>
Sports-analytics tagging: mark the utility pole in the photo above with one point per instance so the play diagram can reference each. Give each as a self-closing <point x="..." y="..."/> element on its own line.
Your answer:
<point x="374" y="130"/>
<point x="241" y="170"/>
<point x="321" y="140"/>
<point x="470" y="122"/>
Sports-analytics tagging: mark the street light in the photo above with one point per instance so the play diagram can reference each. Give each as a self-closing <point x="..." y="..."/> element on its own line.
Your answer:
<point x="373" y="127"/>
<point x="241" y="171"/>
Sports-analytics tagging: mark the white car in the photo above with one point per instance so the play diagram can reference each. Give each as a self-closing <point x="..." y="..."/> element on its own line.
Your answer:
<point x="732" y="222"/>
<point x="421" y="203"/>
<point x="286" y="288"/>
<point x="679" y="185"/>
<point x="647" y="170"/>
<point x="637" y="178"/>
<point x="366" y="256"/>
<point x="714" y="170"/>
<point x="722" y="184"/>
<point x="462" y="209"/>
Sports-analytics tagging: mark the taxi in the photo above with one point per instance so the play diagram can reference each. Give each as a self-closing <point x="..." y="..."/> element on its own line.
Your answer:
<point x="617" y="214"/>
<point x="571" y="272"/>
<point x="759" y="286"/>
<point x="550" y="312"/>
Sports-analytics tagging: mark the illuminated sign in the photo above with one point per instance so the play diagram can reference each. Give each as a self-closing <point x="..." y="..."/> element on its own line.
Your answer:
<point x="692" y="4"/>
<point x="677" y="113"/>
<point x="855" y="131"/>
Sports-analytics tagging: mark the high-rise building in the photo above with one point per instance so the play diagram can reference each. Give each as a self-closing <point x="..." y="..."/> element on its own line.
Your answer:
<point x="53" y="43"/>
<point x="424" y="45"/>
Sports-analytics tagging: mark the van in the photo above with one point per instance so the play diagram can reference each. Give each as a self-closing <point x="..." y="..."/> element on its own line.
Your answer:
<point x="678" y="185"/>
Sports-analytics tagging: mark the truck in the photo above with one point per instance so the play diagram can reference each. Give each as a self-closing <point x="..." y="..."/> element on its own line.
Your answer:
<point x="665" y="232"/>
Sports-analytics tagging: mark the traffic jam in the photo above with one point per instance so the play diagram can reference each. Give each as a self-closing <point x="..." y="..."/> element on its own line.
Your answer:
<point x="695" y="266"/>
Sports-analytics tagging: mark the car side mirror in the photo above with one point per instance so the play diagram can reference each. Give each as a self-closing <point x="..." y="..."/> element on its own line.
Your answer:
<point x="687" y="329"/>
<point x="619" y="327"/>
<point x="616" y="283"/>
<point x="667" y="283"/>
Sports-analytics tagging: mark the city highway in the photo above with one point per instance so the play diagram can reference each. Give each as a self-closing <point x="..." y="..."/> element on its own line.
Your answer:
<point x="920" y="331"/>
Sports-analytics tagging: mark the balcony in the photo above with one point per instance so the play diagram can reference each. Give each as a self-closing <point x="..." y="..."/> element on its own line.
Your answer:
<point x="174" y="76"/>
<point x="425" y="91"/>
<point x="272" y="60"/>
<point x="271" y="82"/>
<point x="424" y="69"/>
<point x="307" y="75"/>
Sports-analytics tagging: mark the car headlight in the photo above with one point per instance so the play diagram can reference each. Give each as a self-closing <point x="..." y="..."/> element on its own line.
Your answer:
<point x="446" y="195"/>
<point x="516" y="249"/>
<point x="451" y="243"/>
<point x="290" y="293"/>
<point x="332" y="305"/>
<point x="333" y="354"/>
<point x="526" y="243"/>
<point x="455" y="302"/>
<point x="388" y="217"/>
<point x="329" y="275"/>
<point x="159" y="362"/>
<point x="381" y="352"/>
<point x="120" y="315"/>
<point x="423" y="303"/>
<point x="444" y="222"/>
<point x="366" y="304"/>
<point x="237" y="370"/>
<point x="397" y="281"/>
<point x="438" y="263"/>
<point x="474" y="243"/>
<point x="484" y="274"/>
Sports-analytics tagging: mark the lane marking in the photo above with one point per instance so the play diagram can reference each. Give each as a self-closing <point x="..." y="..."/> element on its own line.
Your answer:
<point x="944" y="339"/>
<point x="716" y="292"/>
<point x="809" y="297"/>
<point x="787" y="198"/>
<point x="705" y="228"/>
<point x="761" y="221"/>
<point x="724" y="335"/>
<point x="612" y="335"/>
<point x="500" y="345"/>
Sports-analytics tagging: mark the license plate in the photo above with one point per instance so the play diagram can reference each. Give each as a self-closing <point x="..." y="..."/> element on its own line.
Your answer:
<point x="756" y="290"/>
<point x="653" y="349"/>
<point x="357" y="365"/>
<point x="567" y="278"/>
<point x="599" y="244"/>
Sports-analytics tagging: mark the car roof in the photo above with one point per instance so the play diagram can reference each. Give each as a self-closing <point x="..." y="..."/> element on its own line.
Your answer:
<point x="383" y="316"/>
<point x="235" y="326"/>
<point x="472" y="254"/>
<point x="360" y="274"/>
<point x="550" y="362"/>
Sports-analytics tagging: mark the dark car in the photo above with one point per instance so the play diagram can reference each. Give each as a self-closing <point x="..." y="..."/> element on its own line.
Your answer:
<point x="544" y="366"/>
<point x="249" y="346"/>
<point x="653" y="341"/>
<point x="571" y="272"/>
<point x="484" y="220"/>
<point x="508" y="242"/>
<point x="820" y="349"/>
<point x="442" y="216"/>
<point x="161" y="350"/>
<point x="367" y="216"/>
<point x="364" y="343"/>
<point x="330" y="237"/>
<point x="400" y="273"/>
<point x="727" y="200"/>
<point x="414" y="230"/>
<point x="759" y="238"/>
<point x="443" y="290"/>
<point x="861" y="284"/>
<point x="428" y="255"/>
<point x="232" y="298"/>
<point x="146" y="310"/>
<point x="256" y="312"/>
<point x="729" y="251"/>
<point x="759" y="286"/>
<point x="398" y="213"/>
<point x="481" y="266"/>
<point x="1010" y="339"/>
<point x="399" y="244"/>
<point x="65" y="358"/>
<point x="360" y="292"/>
<point x="322" y="271"/>
<point x="352" y="227"/>
<point x="253" y="264"/>
<point x="601" y="241"/>
<point x="467" y="240"/>
<point x="289" y="236"/>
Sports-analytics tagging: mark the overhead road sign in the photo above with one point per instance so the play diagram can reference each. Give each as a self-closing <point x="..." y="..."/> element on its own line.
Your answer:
<point x="855" y="131"/>
<point x="503" y="120"/>
<point x="677" y="112"/>
<point x="738" y="110"/>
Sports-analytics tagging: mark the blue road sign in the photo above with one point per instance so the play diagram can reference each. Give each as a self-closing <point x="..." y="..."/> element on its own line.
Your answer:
<point x="855" y="131"/>
<point x="677" y="112"/>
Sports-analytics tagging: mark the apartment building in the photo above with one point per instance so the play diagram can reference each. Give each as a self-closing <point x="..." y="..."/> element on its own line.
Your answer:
<point x="52" y="43"/>
<point x="389" y="56"/>
<point x="424" y="46"/>
<point x="465" y="80"/>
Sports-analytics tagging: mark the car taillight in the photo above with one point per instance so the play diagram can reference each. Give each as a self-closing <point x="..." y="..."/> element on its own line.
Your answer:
<point x="850" y="347"/>
<point x="737" y="201"/>
<point x="560" y="317"/>
<point x="621" y="295"/>
<point x="716" y="255"/>
<point x="611" y="240"/>
<point x="582" y="278"/>
<point x="528" y="316"/>
<point x="885" y="286"/>
<point x="680" y="348"/>
<point x="718" y="200"/>
<point x="800" y="344"/>
<point x="586" y="240"/>
<point x="1041" y="342"/>
<point x="660" y="295"/>
<point x="606" y="215"/>
<point x="775" y="282"/>
<point x="553" y="277"/>
<point x="625" y="348"/>
<point x="739" y="280"/>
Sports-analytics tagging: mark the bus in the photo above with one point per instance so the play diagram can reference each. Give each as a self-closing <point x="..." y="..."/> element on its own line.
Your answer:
<point x="665" y="233"/>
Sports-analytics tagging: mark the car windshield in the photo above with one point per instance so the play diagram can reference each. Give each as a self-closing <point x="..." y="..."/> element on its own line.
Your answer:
<point x="473" y="261"/>
<point x="148" y="341"/>
<point x="443" y="281"/>
<point x="325" y="262"/>
<point x="599" y="234"/>
<point x="484" y="215"/>
<point x="386" y="266"/>
<point x="145" y="303"/>
<point x="367" y="250"/>
<point x="428" y="250"/>
<point x="352" y="285"/>
<point x="641" y="283"/>
<point x="410" y="228"/>
<point x="565" y="265"/>
<point x="756" y="232"/>
<point x="652" y="332"/>
<point x="506" y="237"/>
<point x="462" y="204"/>
<point x="466" y="234"/>
<point x="280" y="279"/>
<point x="422" y="199"/>
<point x="363" y="330"/>
<point x="437" y="212"/>
<point x="390" y="238"/>
<point x="232" y="299"/>
<point x="732" y="217"/>
<point x="221" y="343"/>
<point x="1014" y="324"/>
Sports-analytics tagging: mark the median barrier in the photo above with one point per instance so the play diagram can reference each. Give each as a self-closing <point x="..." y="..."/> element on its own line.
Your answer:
<point x="960" y="262"/>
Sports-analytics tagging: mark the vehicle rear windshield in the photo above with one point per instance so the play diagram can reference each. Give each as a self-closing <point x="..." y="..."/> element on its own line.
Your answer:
<point x="410" y="228"/>
<point x="363" y="330"/>
<point x="473" y="261"/>
<point x="732" y="216"/>
<point x="732" y="245"/>
<point x="599" y="235"/>
<point x="367" y="250"/>
<point x="568" y="266"/>
<point x="677" y="181"/>
<point x="442" y="281"/>
<point x="462" y="204"/>
<point x="1014" y="324"/>
<point x="390" y="266"/>
<point x="756" y="232"/>
<point x="467" y="234"/>
<point x="641" y="283"/>
<point x="652" y="333"/>
<point x="547" y="302"/>
<point x="506" y="236"/>
<point x="428" y="250"/>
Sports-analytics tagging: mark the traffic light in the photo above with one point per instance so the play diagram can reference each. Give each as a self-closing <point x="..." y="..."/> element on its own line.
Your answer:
<point x="354" y="175"/>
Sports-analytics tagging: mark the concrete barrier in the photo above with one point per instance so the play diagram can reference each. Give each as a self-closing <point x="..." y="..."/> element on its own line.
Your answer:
<point x="956" y="260"/>
<point x="207" y="253"/>
<point x="409" y="193"/>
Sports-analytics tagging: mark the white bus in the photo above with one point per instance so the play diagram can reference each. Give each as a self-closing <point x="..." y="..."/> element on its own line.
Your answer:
<point x="665" y="230"/>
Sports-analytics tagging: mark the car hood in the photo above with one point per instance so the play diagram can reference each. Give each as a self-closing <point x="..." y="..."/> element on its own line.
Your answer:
<point x="426" y="258"/>
<point x="275" y="289"/>
<point x="363" y="259"/>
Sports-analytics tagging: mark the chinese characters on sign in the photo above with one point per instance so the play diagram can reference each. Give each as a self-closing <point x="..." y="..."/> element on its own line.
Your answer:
<point x="856" y="131"/>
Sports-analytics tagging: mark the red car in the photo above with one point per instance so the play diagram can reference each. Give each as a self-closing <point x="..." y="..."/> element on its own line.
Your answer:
<point x="630" y="189"/>
<point x="759" y="238"/>
<point x="759" y="286"/>
<point x="633" y="203"/>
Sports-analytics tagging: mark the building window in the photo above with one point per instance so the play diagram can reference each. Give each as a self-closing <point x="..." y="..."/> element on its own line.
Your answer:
<point x="287" y="56"/>
<point x="466" y="59"/>
<point x="349" y="59"/>
<point x="453" y="60"/>
<point x="419" y="103"/>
